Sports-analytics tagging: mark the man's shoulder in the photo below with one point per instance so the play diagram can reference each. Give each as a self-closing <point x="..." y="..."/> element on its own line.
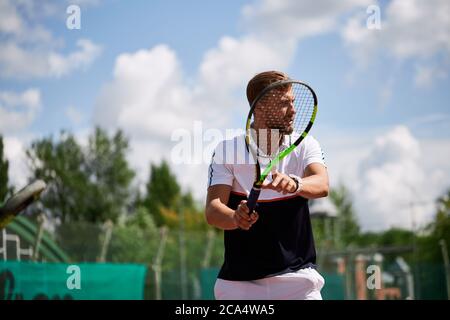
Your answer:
<point x="308" y="142"/>
<point x="310" y="138"/>
<point x="232" y="141"/>
<point x="231" y="149"/>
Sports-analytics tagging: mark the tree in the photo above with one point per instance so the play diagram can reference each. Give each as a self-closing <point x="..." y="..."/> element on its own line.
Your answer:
<point x="109" y="174"/>
<point x="90" y="184"/>
<point x="438" y="229"/>
<point x="348" y="225"/>
<point x="4" y="164"/>
<point x="62" y="165"/>
<point x="163" y="191"/>
<point x="136" y="239"/>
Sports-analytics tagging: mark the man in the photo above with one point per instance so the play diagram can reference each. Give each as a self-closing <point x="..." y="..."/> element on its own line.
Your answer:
<point x="269" y="253"/>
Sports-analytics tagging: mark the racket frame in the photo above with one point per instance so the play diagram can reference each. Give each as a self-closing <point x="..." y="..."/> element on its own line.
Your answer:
<point x="260" y="177"/>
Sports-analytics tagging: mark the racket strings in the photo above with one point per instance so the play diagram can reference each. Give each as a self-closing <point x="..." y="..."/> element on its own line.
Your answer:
<point x="282" y="112"/>
<point x="304" y="107"/>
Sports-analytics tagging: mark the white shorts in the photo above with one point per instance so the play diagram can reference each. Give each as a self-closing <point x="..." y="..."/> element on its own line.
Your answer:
<point x="304" y="284"/>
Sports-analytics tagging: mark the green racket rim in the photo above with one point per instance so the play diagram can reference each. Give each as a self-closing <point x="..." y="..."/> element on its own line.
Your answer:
<point x="260" y="177"/>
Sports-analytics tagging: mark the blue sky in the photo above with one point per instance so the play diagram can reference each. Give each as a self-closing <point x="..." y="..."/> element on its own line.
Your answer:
<point x="383" y="93"/>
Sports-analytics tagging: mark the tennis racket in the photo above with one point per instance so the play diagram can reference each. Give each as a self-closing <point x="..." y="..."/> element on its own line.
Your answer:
<point x="19" y="201"/>
<point x="283" y="112"/>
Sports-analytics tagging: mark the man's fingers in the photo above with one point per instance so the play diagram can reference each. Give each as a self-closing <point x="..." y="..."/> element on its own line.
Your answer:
<point x="243" y="223"/>
<point x="243" y="206"/>
<point x="254" y="216"/>
<point x="267" y="185"/>
<point x="283" y="185"/>
<point x="243" y="215"/>
<point x="242" y="211"/>
<point x="243" y="220"/>
<point x="277" y="179"/>
<point x="280" y="183"/>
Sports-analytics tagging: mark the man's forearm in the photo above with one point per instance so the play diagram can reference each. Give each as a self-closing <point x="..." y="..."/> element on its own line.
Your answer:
<point x="315" y="186"/>
<point x="221" y="216"/>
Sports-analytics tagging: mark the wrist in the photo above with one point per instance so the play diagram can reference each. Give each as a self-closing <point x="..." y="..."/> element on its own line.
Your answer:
<point x="298" y="183"/>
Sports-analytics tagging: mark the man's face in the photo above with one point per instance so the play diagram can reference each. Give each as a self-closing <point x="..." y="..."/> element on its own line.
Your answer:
<point x="276" y="110"/>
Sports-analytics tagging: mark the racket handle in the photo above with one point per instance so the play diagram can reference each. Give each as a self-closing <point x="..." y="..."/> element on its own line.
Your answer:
<point x="252" y="198"/>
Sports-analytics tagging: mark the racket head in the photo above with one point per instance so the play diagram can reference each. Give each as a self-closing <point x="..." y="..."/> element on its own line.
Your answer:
<point x="285" y="110"/>
<point x="20" y="201"/>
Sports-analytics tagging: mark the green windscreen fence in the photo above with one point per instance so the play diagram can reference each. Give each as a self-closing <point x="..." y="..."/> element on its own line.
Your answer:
<point x="83" y="281"/>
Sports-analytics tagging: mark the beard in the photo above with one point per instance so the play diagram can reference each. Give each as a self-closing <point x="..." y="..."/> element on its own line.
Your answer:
<point x="285" y="128"/>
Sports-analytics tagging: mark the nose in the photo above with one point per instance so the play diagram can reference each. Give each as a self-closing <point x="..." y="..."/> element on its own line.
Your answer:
<point x="291" y="108"/>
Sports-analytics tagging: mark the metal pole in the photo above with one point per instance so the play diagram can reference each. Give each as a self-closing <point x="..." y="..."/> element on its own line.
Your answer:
<point x="409" y="277"/>
<point x="446" y="264"/>
<point x="37" y="243"/>
<point x="349" y="274"/>
<point x="337" y="232"/>
<point x="416" y="272"/>
<point x="108" y="226"/>
<point x="156" y="266"/>
<point x="182" y="239"/>
<point x="209" y="248"/>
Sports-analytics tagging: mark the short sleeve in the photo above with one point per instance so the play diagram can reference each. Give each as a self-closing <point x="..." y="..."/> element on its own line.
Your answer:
<point x="313" y="153"/>
<point x="219" y="172"/>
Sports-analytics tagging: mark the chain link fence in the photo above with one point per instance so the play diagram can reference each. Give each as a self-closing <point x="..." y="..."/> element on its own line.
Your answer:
<point x="183" y="264"/>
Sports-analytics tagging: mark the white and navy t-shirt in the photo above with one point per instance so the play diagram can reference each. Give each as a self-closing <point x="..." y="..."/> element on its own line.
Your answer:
<point x="281" y="240"/>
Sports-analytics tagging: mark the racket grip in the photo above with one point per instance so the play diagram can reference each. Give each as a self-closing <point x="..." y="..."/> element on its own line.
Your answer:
<point x="252" y="198"/>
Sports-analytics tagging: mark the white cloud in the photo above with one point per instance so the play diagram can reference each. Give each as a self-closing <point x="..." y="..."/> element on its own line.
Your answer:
<point x="10" y="21"/>
<point x="61" y="65"/>
<point x="234" y="61"/>
<point x="17" y="111"/>
<point x="18" y="62"/>
<point x="29" y="50"/>
<point x="409" y="30"/>
<point x="294" y="19"/>
<point x="15" y="154"/>
<point x="150" y="98"/>
<point x="343" y="151"/>
<point x="396" y="174"/>
<point x="147" y="96"/>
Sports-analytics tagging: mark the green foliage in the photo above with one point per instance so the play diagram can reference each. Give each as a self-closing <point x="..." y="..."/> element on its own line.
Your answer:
<point x="437" y="231"/>
<point x="90" y="184"/>
<point x="166" y="201"/>
<point x="348" y="224"/>
<point x="163" y="191"/>
<point x="135" y="240"/>
<point x="80" y="240"/>
<point x="109" y="176"/>
<point x="395" y="237"/>
<point x="61" y="165"/>
<point x="4" y="164"/>
<point x="391" y="237"/>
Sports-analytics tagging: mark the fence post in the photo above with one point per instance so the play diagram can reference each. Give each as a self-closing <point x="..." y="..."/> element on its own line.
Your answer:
<point x="108" y="231"/>
<point x="446" y="265"/>
<point x="37" y="243"/>
<point x="156" y="266"/>
<point x="209" y="247"/>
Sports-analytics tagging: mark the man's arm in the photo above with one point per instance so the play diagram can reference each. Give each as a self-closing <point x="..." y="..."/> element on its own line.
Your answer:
<point x="219" y="215"/>
<point x="314" y="182"/>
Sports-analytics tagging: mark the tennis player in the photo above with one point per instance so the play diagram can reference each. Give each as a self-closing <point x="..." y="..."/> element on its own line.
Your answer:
<point x="269" y="253"/>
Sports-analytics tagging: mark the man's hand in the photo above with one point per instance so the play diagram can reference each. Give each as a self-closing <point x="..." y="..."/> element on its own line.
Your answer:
<point x="242" y="218"/>
<point x="280" y="183"/>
